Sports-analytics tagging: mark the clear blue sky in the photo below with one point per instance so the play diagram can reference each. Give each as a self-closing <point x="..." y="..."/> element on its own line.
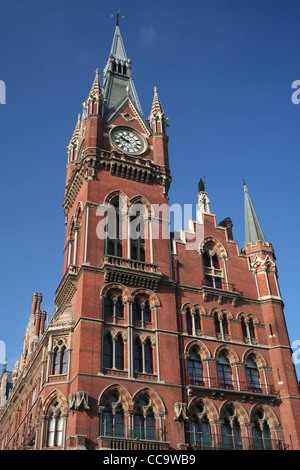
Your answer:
<point x="223" y="69"/>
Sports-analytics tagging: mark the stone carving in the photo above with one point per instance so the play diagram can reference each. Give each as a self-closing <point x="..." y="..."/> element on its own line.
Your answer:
<point x="78" y="401"/>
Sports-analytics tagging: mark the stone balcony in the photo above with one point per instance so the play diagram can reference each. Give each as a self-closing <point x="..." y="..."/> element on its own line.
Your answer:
<point x="131" y="272"/>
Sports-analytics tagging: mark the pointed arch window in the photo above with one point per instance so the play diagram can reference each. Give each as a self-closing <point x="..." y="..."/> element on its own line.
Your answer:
<point x="252" y="375"/>
<point x="113" y="422"/>
<point x="189" y="322"/>
<point x="144" y="420"/>
<point x="141" y="310"/>
<point x="213" y="274"/>
<point x="113" y="306"/>
<point x="114" y="244"/>
<point x="54" y="437"/>
<point x="195" y="367"/>
<point x="113" y="352"/>
<point x="231" y="431"/>
<point x="224" y="372"/>
<point x="59" y="360"/>
<point x="199" y="429"/>
<point x="261" y="432"/>
<point x="137" y="235"/>
<point x="143" y="356"/>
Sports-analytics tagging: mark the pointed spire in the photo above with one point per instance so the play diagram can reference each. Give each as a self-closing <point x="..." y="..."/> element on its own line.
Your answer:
<point x="96" y="89"/>
<point x="77" y="128"/>
<point x="117" y="82"/>
<point x="157" y="108"/>
<point x="117" y="48"/>
<point x="157" y="114"/>
<point x="253" y="230"/>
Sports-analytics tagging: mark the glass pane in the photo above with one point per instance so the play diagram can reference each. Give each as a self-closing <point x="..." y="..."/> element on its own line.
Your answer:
<point x="119" y="356"/>
<point x="148" y="358"/>
<point x="108" y="352"/>
<point x="119" y="308"/>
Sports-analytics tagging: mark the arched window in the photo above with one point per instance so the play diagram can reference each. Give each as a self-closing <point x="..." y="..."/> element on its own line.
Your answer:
<point x="108" y="351"/>
<point x="113" y="307"/>
<point x="225" y="324"/>
<point x="251" y="328"/>
<point x="137" y="236"/>
<point x="261" y="432"/>
<point x="224" y="372"/>
<point x="144" y="420"/>
<point x="199" y="429"/>
<point x="217" y="325"/>
<point x="189" y="323"/>
<point x="195" y="367"/>
<point x="114" y="229"/>
<point x="113" y="423"/>
<point x="244" y="328"/>
<point x="113" y="354"/>
<point x="54" y="428"/>
<point x="148" y="357"/>
<point x="231" y="431"/>
<point x="141" y="310"/>
<point x="197" y="320"/>
<point x="60" y="360"/>
<point x="137" y="355"/>
<point x="119" y="353"/>
<point x="252" y="375"/>
<point x="221" y="326"/>
<point x="143" y="356"/>
<point x="213" y="273"/>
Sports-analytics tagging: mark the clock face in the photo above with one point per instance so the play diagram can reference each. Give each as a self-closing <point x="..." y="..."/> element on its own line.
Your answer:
<point x="128" y="141"/>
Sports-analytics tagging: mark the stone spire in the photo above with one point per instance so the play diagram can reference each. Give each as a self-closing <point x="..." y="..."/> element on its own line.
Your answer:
<point x="96" y="87"/>
<point x="117" y="81"/>
<point x="253" y="230"/>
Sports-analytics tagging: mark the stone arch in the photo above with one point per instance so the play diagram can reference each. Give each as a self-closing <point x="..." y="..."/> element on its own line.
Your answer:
<point x="199" y="307"/>
<point x="151" y="296"/>
<point x="260" y="359"/>
<point x="203" y="349"/>
<point x="185" y="306"/>
<point x="123" y="393"/>
<point x="228" y="314"/>
<point x="139" y="199"/>
<point x="123" y="197"/>
<point x="269" y="414"/>
<point x="210" y="409"/>
<point x="55" y="395"/>
<point x="232" y="354"/>
<point x="156" y="401"/>
<point x="240" y="412"/>
<point x="125" y="292"/>
<point x="214" y="247"/>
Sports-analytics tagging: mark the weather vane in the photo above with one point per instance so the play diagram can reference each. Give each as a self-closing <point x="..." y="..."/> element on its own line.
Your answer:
<point x="117" y="16"/>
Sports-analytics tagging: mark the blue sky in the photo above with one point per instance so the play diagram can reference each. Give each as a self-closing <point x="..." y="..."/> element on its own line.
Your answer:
<point x="224" y="70"/>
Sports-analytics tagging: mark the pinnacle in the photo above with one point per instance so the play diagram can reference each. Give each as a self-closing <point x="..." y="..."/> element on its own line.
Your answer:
<point x="96" y="89"/>
<point x="77" y="128"/>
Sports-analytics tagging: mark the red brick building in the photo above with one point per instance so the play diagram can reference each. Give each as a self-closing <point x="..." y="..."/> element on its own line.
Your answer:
<point x="157" y="342"/>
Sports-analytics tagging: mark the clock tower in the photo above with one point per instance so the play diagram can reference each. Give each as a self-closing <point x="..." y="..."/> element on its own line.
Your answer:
<point x="114" y="274"/>
<point x="159" y="340"/>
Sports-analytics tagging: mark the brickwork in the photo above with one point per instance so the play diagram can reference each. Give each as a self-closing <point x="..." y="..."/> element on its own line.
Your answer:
<point x="180" y="348"/>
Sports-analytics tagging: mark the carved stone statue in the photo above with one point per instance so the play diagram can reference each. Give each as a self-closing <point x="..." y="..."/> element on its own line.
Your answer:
<point x="201" y="185"/>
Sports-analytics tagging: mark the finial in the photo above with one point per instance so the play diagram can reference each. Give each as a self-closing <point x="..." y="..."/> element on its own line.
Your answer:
<point x="117" y="16"/>
<point x="244" y="180"/>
